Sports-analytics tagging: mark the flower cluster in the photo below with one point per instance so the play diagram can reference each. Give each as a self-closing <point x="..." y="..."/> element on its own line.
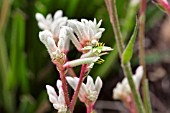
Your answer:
<point x="84" y="34"/>
<point x="52" y="24"/>
<point x="89" y="92"/>
<point x="56" y="34"/>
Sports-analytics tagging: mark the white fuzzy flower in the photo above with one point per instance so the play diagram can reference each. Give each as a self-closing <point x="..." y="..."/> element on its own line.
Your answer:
<point x="56" y="51"/>
<point x="57" y="100"/>
<point x="87" y="33"/>
<point x="52" y="24"/>
<point x="123" y="90"/>
<point x="88" y="92"/>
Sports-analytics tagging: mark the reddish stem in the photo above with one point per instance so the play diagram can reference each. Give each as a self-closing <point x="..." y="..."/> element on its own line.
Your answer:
<point x="130" y="104"/>
<point x="89" y="108"/>
<point x="64" y="87"/>
<point x="75" y="95"/>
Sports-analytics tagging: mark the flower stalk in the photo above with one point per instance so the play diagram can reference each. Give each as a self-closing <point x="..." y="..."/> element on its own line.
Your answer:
<point x="75" y="95"/>
<point x="89" y="108"/>
<point x="64" y="87"/>
<point x="145" y="91"/>
<point x="119" y="40"/>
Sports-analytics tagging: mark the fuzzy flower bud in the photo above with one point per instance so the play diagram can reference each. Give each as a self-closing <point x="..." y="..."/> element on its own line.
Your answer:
<point x="56" y="53"/>
<point x="57" y="100"/>
<point x="53" y="24"/>
<point x="89" y="92"/>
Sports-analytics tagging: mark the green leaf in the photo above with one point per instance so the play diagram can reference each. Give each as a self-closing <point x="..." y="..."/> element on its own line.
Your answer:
<point x="128" y="52"/>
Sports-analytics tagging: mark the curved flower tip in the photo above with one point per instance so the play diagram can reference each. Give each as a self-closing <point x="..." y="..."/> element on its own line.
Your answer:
<point x="57" y="101"/>
<point x="39" y="17"/>
<point x="88" y="92"/>
<point x="59" y="84"/>
<point x="98" y="84"/>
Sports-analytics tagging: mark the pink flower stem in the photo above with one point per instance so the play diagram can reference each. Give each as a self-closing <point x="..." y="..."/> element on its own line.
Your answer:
<point x="89" y="108"/>
<point x="75" y="95"/>
<point x="64" y="87"/>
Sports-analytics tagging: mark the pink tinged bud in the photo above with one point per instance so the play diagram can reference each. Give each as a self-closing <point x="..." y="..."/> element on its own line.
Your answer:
<point x="81" y="61"/>
<point x="163" y="5"/>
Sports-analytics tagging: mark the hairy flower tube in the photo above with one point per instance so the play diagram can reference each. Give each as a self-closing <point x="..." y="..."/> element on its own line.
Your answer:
<point x="123" y="90"/>
<point x="52" y="24"/>
<point x="57" y="53"/>
<point x="89" y="92"/>
<point x="57" y="100"/>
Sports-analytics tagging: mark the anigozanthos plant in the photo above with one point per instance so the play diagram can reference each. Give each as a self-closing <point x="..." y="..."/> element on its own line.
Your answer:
<point x="56" y="35"/>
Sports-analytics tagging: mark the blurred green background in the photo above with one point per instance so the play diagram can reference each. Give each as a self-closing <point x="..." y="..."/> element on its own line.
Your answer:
<point x="25" y="66"/>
